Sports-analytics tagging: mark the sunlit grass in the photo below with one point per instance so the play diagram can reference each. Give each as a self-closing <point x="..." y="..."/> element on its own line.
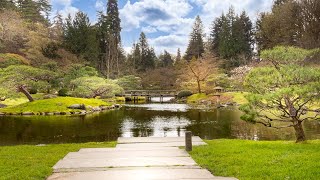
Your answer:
<point x="59" y="104"/>
<point x="260" y="159"/>
<point x="35" y="162"/>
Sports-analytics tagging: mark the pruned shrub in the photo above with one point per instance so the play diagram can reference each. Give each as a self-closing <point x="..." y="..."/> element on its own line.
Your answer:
<point x="185" y="93"/>
<point x="63" y="92"/>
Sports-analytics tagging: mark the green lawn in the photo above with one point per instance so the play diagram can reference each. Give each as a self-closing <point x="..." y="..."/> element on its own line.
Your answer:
<point x="260" y="159"/>
<point x="195" y="98"/>
<point x="59" y="104"/>
<point x="237" y="97"/>
<point x="33" y="162"/>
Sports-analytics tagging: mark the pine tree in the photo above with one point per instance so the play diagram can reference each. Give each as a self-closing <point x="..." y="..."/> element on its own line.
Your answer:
<point x="113" y="37"/>
<point x="231" y="38"/>
<point x="80" y="38"/>
<point x="178" y="58"/>
<point x="32" y="10"/>
<point x="165" y="59"/>
<point x="196" y="45"/>
<point x="7" y="4"/>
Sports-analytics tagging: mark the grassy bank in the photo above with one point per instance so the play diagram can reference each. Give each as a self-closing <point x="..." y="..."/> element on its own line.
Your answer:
<point x="238" y="97"/>
<point x="33" y="162"/>
<point x="59" y="104"/>
<point x="260" y="159"/>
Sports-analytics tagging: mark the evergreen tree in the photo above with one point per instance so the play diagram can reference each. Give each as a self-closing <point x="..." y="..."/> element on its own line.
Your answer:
<point x="80" y="37"/>
<point x="231" y="38"/>
<point x="178" y="58"/>
<point x="114" y="39"/>
<point x="102" y="35"/>
<point x="7" y="4"/>
<point x="142" y="56"/>
<point x="165" y="59"/>
<point x="32" y="10"/>
<point x="196" y="45"/>
<point x="57" y="29"/>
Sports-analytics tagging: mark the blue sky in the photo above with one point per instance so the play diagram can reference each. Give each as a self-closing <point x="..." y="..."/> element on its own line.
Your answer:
<point x="167" y="23"/>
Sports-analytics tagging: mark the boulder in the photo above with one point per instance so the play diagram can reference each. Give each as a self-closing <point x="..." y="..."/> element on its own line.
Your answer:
<point x="27" y="113"/>
<point x="77" y="106"/>
<point x="117" y="106"/>
<point x="83" y="112"/>
<point x="3" y="105"/>
<point x="49" y="113"/>
<point x="96" y="109"/>
<point x="2" y="114"/>
<point x="104" y="107"/>
<point x="49" y="96"/>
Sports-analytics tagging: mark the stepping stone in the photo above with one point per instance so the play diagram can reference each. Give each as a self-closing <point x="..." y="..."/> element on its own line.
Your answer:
<point x="139" y="174"/>
<point x="127" y="153"/>
<point x="124" y="162"/>
<point x="123" y="140"/>
<point x="137" y="148"/>
<point x="148" y="145"/>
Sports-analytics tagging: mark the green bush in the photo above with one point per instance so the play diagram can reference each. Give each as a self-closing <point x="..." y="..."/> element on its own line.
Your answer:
<point x="183" y="94"/>
<point x="63" y="92"/>
<point x="33" y="90"/>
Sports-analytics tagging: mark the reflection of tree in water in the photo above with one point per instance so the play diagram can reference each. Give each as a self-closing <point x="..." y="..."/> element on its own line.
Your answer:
<point x="221" y="123"/>
<point x="210" y="124"/>
<point x="60" y="129"/>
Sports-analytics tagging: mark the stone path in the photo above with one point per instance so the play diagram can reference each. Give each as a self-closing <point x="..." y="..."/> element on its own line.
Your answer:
<point x="135" y="159"/>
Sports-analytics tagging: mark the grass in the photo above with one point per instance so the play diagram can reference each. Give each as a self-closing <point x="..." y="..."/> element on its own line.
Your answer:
<point x="59" y="104"/>
<point x="237" y="97"/>
<point x="196" y="98"/>
<point x="21" y="100"/>
<point x="34" y="162"/>
<point x="260" y="159"/>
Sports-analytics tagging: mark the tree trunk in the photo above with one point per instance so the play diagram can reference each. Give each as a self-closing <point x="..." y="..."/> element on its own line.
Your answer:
<point x="26" y="93"/>
<point x="199" y="87"/>
<point x="299" y="132"/>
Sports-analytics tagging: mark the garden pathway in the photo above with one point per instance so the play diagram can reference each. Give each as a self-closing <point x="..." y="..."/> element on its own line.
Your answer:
<point x="134" y="159"/>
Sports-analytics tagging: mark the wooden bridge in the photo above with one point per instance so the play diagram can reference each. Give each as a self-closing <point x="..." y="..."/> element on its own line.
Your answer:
<point x="148" y="94"/>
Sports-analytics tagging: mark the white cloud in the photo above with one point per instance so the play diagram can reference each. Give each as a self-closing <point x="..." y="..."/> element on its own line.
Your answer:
<point x="149" y="29"/>
<point x="154" y="13"/>
<point x="68" y="10"/>
<point x="170" y="43"/>
<point x="62" y="2"/>
<point x="100" y="5"/>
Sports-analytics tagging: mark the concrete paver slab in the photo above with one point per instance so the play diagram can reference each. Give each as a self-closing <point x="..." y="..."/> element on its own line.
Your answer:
<point x="151" y="148"/>
<point x="146" y="145"/>
<point x="127" y="153"/>
<point x="136" y="174"/>
<point x="124" y="140"/>
<point x="125" y="162"/>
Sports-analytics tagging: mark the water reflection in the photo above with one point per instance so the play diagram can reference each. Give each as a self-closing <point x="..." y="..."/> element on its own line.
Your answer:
<point x="160" y="120"/>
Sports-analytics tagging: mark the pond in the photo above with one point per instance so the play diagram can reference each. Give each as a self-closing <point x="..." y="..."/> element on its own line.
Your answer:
<point x="135" y="120"/>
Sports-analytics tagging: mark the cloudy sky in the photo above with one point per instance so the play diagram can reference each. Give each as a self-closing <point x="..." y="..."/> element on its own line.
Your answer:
<point x="167" y="23"/>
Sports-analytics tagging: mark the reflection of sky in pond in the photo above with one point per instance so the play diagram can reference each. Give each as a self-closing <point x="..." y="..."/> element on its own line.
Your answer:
<point x="164" y="99"/>
<point x="159" y="126"/>
<point x="162" y="107"/>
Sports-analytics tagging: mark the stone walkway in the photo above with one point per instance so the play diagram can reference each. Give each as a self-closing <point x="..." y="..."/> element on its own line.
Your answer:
<point x="135" y="159"/>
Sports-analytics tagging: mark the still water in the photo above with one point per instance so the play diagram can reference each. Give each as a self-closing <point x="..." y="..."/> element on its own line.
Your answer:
<point x="143" y="120"/>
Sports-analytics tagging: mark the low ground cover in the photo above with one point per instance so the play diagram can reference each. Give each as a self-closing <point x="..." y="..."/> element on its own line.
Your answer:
<point x="260" y="159"/>
<point x="59" y="104"/>
<point x="35" y="162"/>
